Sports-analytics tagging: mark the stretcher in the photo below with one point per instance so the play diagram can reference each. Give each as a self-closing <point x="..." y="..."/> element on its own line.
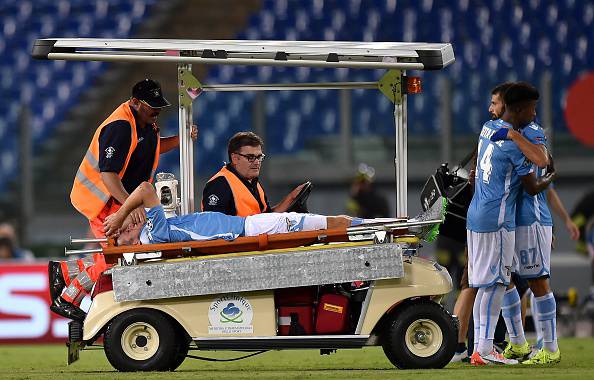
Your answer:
<point x="272" y="261"/>
<point x="269" y="261"/>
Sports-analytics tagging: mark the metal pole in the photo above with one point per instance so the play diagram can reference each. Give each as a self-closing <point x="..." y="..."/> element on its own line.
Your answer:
<point x="186" y="148"/>
<point x="289" y="86"/>
<point x="445" y="112"/>
<point x="547" y="107"/>
<point x="400" y="156"/>
<point x="26" y="173"/>
<point x="122" y="57"/>
<point x="259" y="123"/>
<point x="346" y="129"/>
<point x="404" y="167"/>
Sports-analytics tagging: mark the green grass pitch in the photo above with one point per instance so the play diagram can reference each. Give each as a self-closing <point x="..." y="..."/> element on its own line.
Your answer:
<point x="48" y="362"/>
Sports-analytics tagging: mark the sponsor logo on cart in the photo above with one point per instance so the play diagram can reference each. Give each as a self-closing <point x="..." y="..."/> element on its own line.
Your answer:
<point x="230" y="315"/>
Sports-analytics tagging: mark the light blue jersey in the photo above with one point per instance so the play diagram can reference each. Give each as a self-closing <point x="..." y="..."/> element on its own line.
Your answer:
<point x="497" y="182"/>
<point x="534" y="208"/>
<point x="196" y="226"/>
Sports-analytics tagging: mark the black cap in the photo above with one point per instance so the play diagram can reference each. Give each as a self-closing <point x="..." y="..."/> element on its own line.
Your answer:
<point x="149" y="91"/>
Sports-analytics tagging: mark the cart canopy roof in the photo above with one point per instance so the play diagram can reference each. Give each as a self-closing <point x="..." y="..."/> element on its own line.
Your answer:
<point x="337" y="54"/>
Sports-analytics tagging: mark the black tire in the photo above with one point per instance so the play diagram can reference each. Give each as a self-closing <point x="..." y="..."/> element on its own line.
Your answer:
<point x="420" y="334"/>
<point x="140" y="340"/>
<point x="182" y="345"/>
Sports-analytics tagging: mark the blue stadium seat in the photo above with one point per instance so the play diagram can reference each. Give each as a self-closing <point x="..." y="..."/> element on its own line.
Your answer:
<point x="535" y="32"/>
<point x="51" y="88"/>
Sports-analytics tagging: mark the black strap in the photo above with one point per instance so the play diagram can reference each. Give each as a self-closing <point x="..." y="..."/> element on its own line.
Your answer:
<point x="225" y="360"/>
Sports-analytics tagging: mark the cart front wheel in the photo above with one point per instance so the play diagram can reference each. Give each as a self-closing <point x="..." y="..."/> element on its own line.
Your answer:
<point x="423" y="338"/>
<point x="420" y="335"/>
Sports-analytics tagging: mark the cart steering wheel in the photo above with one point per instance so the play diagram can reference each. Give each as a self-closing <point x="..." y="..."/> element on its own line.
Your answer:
<point x="299" y="204"/>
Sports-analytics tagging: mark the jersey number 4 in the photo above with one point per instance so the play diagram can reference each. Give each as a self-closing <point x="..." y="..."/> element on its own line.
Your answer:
<point x="485" y="161"/>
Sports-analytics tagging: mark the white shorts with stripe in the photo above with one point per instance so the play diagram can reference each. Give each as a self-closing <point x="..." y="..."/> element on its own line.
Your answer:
<point x="281" y="223"/>
<point x="490" y="257"/>
<point x="533" y="250"/>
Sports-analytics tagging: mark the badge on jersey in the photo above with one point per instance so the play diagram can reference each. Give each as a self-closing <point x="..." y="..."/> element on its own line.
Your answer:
<point x="213" y="200"/>
<point x="109" y="151"/>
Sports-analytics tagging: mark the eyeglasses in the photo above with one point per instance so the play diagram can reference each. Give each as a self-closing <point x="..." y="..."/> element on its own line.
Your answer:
<point x="252" y="157"/>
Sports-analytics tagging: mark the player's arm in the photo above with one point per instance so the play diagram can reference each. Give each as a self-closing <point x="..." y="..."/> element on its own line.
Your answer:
<point x="536" y="153"/>
<point x="144" y="195"/>
<point x="114" y="185"/>
<point x="559" y="209"/>
<point x="534" y="185"/>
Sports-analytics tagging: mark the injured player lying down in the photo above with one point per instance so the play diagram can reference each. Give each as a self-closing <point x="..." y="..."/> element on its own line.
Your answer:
<point x="206" y="225"/>
<point x="71" y="280"/>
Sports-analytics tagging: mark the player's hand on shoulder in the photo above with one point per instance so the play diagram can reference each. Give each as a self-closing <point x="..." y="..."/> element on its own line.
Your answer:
<point x="500" y="134"/>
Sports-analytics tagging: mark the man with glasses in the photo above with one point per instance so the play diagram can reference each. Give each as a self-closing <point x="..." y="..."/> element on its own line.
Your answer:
<point x="235" y="189"/>
<point x="123" y="153"/>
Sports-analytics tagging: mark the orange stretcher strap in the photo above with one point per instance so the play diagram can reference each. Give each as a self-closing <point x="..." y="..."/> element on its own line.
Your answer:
<point x="241" y="244"/>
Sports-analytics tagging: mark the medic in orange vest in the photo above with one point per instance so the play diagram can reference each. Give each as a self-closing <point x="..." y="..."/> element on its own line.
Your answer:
<point x="123" y="153"/>
<point x="235" y="189"/>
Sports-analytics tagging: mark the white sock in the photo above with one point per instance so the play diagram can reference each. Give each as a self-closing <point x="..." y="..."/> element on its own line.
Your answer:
<point x="476" y="313"/>
<point x="547" y="316"/>
<point x="512" y="314"/>
<point x="490" y="309"/>
<point x="535" y="318"/>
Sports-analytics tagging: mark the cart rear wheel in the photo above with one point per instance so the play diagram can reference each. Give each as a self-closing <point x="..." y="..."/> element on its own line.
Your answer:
<point x="420" y="335"/>
<point x="140" y="340"/>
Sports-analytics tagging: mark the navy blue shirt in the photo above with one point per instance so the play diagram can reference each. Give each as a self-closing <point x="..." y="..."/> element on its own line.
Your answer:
<point x="114" y="143"/>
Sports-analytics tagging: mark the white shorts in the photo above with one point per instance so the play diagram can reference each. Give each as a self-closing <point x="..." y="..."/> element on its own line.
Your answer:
<point x="490" y="257"/>
<point x="533" y="250"/>
<point x="281" y="223"/>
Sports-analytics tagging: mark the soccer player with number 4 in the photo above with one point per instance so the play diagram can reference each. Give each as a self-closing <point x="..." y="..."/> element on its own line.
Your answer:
<point x="502" y="170"/>
<point x="534" y="236"/>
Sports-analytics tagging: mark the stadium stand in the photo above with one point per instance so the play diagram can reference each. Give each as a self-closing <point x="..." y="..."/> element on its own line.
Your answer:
<point x="543" y="36"/>
<point x="483" y="60"/>
<point x="49" y="90"/>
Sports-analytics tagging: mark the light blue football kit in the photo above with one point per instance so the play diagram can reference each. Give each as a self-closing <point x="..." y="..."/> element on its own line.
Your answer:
<point x="196" y="226"/>
<point x="534" y="232"/>
<point x="202" y="226"/>
<point x="491" y="218"/>
<point x="490" y="225"/>
<point x="534" y="235"/>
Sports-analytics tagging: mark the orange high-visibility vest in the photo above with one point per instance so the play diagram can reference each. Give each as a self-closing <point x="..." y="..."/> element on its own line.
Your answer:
<point x="245" y="202"/>
<point x="89" y="194"/>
